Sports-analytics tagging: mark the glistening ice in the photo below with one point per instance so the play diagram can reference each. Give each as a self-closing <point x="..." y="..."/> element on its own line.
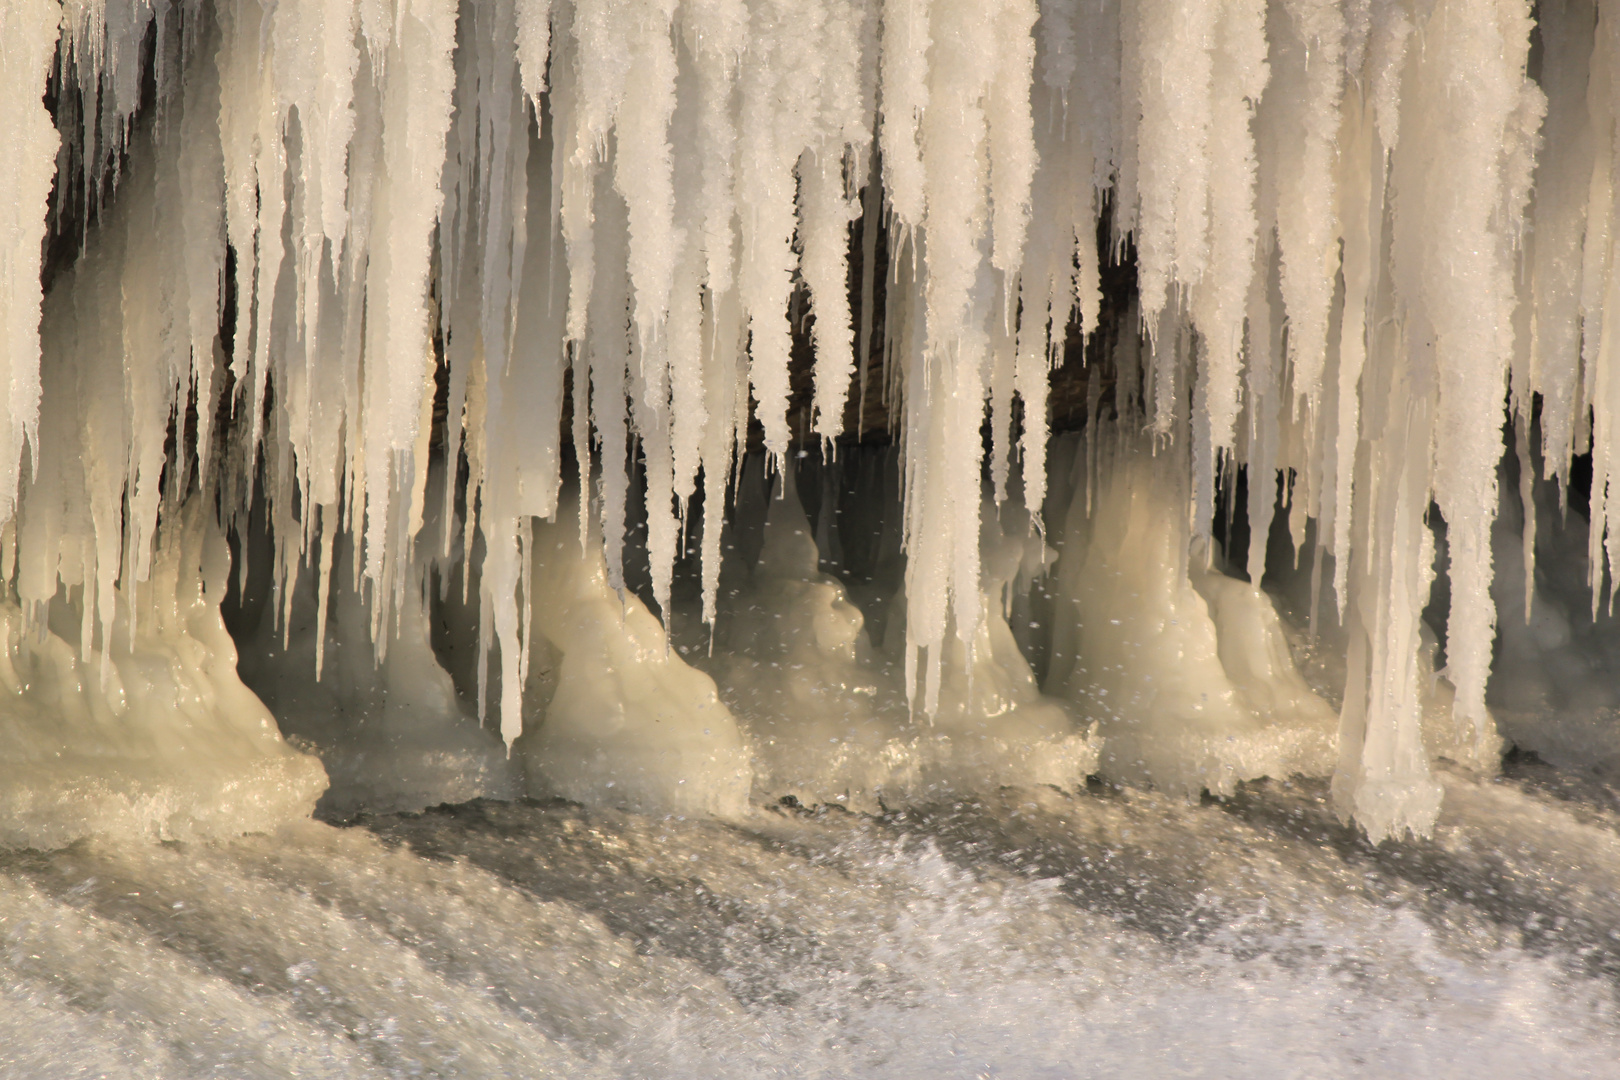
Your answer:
<point x="816" y="492"/>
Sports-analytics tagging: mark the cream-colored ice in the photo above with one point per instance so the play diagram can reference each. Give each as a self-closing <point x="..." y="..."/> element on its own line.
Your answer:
<point x="1185" y="670"/>
<point x="1365" y="233"/>
<point x="626" y="721"/>
<point x="146" y="733"/>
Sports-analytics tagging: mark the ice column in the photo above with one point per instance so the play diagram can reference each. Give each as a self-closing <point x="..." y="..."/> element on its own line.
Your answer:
<point x="29" y="32"/>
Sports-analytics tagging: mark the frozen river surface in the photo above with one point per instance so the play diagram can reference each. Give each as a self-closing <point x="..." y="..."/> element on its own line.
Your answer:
<point x="1033" y="934"/>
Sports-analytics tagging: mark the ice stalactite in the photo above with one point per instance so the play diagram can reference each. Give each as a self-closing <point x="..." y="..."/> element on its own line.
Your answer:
<point x="1364" y="236"/>
<point x="25" y="185"/>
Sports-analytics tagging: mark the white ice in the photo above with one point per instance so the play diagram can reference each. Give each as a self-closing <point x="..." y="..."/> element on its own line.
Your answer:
<point x="1355" y="257"/>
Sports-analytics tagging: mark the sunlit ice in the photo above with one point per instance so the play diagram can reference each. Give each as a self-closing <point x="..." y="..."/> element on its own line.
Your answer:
<point x="833" y="537"/>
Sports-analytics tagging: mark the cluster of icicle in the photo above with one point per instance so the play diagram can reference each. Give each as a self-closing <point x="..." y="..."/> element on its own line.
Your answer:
<point x="1340" y="266"/>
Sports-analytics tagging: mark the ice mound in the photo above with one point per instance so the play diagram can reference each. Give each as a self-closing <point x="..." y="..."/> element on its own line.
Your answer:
<point x="793" y="661"/>
<point x="627" y="722"/>
<point x="154" y="737"/>
<point x="1552" y="687"/>
<point x="827" y="711"/>
<point x="1187" y="672"/>
<point x="392" y="732"/>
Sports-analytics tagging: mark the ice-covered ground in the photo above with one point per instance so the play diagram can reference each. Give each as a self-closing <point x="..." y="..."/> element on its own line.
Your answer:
<point x="1031" y="934"/>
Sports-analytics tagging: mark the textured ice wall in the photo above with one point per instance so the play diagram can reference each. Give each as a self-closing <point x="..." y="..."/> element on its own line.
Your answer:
<point x="1341" y="269"/>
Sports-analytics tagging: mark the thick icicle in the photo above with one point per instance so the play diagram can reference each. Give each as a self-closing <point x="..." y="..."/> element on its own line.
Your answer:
<point x="1307" y="40"/>
<point x="29" y="30"/>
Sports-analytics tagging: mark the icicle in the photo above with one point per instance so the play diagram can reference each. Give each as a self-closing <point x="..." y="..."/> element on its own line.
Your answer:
<point x="1172" y="81"/>
<point x="1011" y="137"/>
<point x="1562" y="178"/>
<point x="1030" y="378"/>
<point x="723" y="387"/>
<point x="609" y="354"/>
<point x="1361" y="194"/>
<point x="1238" y="79"/>
<point x="1307" y="81"/>
<point x="29" y="30"/>
<point x="826" y="215"/>
<point x="1003" y="366"/>
<point x="1472" y="71"/>
<point x="904" y="69"/>
<point x="416" y="114"/>
<point x="663" y="533"/>
<point x="713" y="33"/>
<point x="642" y="174"/>
<point x="689" y="412"/>
<point x="1264" y="399"/>
<point x="943" y="447"/>
<point x="772" y="135"/>
<point x="323" y="603"/>
<point x="534" y="47"/>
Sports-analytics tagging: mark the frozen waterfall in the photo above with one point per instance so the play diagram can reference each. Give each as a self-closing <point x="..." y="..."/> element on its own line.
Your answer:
<point x="470" y="325"/>
<point x="849" y="538"/>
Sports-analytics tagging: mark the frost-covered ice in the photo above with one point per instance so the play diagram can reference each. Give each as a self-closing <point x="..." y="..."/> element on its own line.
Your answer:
<point x="336" y="266"/>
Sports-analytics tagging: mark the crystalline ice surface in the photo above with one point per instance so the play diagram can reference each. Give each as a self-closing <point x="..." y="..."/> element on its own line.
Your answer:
<point x="338" y="281"/>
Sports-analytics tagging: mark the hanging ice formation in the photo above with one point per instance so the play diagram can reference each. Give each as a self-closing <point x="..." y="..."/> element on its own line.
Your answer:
<point x="334" y="209"/>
